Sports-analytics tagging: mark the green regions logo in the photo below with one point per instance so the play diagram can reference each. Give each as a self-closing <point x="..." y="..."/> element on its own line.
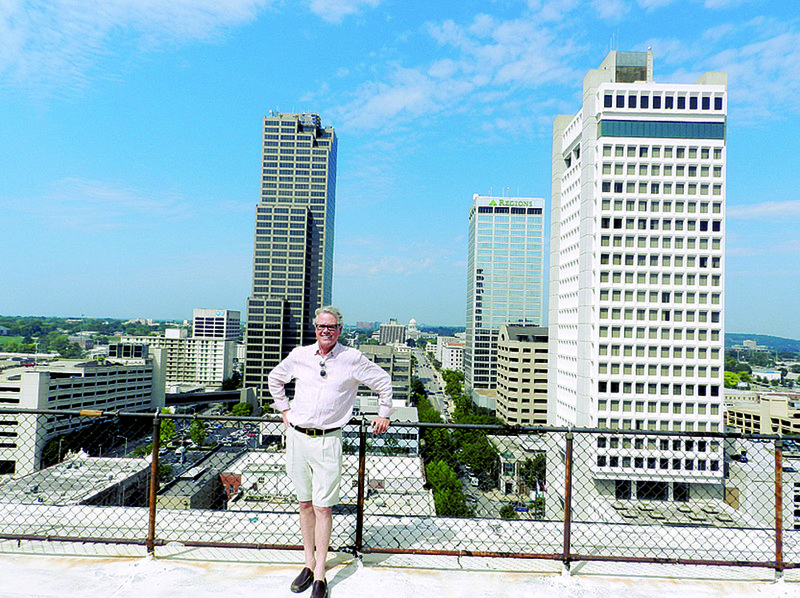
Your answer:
<point x="512" y="204"/>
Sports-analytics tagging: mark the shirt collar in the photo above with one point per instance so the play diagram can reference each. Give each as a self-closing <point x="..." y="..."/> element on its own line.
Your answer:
<point x="335" y="350"/>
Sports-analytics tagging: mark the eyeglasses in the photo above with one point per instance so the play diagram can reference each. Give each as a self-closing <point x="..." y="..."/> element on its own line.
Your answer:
<point x="330" y="327"/>
<point x="322" y="371"/>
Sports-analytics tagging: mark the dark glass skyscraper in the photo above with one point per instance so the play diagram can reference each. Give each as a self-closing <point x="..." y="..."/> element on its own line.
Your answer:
<point x="293" y="253"/>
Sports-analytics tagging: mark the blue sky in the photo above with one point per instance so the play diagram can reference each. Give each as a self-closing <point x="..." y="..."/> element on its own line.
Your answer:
<point x="130" y="140"/>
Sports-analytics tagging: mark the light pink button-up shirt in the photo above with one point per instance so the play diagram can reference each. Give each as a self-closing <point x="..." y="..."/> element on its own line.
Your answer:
<point x="327" y="401"/>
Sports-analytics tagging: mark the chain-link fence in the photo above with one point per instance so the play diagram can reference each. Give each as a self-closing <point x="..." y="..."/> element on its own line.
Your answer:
<point x="570" y="495"/>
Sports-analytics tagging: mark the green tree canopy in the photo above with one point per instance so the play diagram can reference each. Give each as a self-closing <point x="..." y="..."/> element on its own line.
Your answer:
<point x="242" y="409"/>
<point x="167" y="428"/>
<point x="731" y="379"/>
<point x="197" y="432"/>
<point x="507" y="512"/>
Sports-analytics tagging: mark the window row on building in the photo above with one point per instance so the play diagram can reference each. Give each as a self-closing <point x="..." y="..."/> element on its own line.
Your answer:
<point x="666" y="333"/>
<point x="689" y="424"/>
<point x="673" y="100"/>
<point x="661" y="188"/>
<point x="643" y="169"/>
<point x="664" y="388"/>
<point x="661" y="463"/>
<point x="665" y="152"/>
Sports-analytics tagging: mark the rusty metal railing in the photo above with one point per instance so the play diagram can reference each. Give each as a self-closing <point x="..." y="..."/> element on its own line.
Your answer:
<point x="381" y="517"/>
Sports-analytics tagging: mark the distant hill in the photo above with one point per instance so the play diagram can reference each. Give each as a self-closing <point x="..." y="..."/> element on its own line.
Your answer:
<point x="775" y="343"/>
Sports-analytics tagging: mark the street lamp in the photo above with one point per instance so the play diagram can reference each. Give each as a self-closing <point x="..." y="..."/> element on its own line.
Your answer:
<point x="126" y="445"/>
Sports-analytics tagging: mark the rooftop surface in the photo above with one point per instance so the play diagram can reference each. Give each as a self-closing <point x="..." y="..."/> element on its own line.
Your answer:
<point x="66" y="570"/>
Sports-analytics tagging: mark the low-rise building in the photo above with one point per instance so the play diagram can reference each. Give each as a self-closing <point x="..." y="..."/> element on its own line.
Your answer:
<point x="453" y="356"/>
<point x="392" y="332"/>
<point x="397" y="440"/>
<point x="396" y="485"/>
<point x="397" y="363"/>
<point x="117" y="384"/>
<point x="82" y="480"/>
<point x="204" y="485"/>
<point x="192" y="360"/>
<point x="763" y="413"/>
<point x="522" y="366"/>
<point x="516" y="453"/>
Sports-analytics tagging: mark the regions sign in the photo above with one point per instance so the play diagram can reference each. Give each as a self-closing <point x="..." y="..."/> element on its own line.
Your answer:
<point x="513" y="203"/>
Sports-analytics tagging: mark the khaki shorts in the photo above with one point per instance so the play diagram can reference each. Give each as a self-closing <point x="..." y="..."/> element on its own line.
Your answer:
<point x="315" y="466"/>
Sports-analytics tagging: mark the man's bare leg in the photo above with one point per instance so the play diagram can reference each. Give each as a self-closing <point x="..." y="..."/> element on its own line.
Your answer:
<point x="308" y="524"/>
<point x="322" y="535"/>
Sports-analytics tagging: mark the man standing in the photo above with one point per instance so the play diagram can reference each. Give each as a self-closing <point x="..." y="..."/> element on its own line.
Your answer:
<point x="327" y="376"/>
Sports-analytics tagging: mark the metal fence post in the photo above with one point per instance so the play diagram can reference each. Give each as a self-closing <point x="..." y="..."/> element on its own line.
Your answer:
<point x="567" y="499"/>
<point x="151" y="527"/>
<point x="779" y="565"/>
<point x="362" y="468"/>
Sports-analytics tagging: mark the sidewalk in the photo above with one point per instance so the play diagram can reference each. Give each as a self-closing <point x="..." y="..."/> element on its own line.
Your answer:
<point x="63" y="570"/>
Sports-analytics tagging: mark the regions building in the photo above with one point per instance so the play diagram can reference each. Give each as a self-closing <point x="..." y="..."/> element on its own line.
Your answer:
<point x="522" y="356"/>
<point x="135" y="384"/>
<point x="637" y="255"/>
<point x="293" y="249"/>
<point x="504" y="282"/>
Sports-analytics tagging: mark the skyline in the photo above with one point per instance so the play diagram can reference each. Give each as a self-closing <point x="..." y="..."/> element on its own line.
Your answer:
<point x="131" y="141"/>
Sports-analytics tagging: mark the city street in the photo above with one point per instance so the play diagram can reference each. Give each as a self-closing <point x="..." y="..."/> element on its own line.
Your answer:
<point x="430" y="380"/>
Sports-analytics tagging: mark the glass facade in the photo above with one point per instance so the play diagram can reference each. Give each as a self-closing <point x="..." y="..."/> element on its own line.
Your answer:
<point x="505" y="262"/>
<point x="661" y="129"/>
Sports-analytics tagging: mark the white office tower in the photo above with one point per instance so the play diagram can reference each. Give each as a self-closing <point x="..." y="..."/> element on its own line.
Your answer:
<point x="217" y="323"/>
<point x="637" y="276"/>
<point x="504" y="281"/>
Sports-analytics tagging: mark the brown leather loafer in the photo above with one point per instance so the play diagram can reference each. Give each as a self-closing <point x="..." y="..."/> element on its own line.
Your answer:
<point x="319" y="589"/>
<point x="302" y="581"/>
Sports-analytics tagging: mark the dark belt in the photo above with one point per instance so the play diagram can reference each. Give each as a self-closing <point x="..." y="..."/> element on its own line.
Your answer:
<point x="314" y="432"/>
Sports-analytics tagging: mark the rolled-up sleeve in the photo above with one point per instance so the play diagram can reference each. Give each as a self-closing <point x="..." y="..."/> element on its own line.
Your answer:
<point x="378" y="380"/>
<point x="277" y="379"/>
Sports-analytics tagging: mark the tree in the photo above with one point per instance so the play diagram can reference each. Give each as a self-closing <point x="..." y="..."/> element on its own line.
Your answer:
<point x="532" y="472"/>
<point x="538" y="507"/>
<point x="242" y="409"/>
<point x="197" y="432"/>
<point x="167" y="428"/>
<point x="164" y="472"/>
<point x="65" y="348"/>
<point x="448" y="495"/>
<point x="731" y="379"/>
<point x="232" y="383"/>
<point x="507" y="512"/>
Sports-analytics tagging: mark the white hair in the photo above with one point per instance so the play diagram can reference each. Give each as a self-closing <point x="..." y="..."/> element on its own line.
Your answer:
<point x="329" y="309"/>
